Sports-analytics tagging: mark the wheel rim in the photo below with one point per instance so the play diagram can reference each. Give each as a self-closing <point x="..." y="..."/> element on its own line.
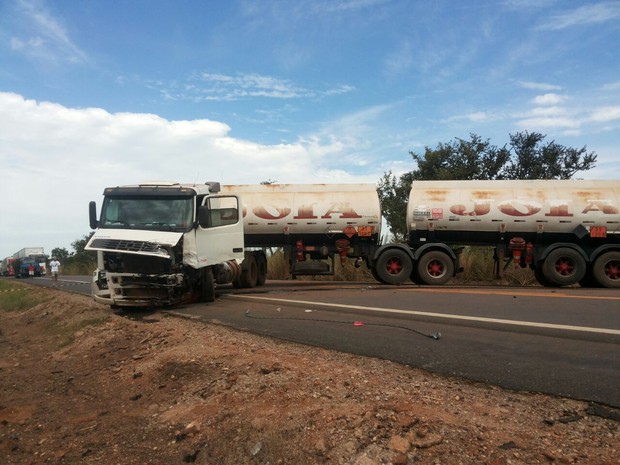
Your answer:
<point x="564" y="266"/>
<point x="394" y="266"/>
<point x="612" y="269"/>
<point x="435" y="268"/>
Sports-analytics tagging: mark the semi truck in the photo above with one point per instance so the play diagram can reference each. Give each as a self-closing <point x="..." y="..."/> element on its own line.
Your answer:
<point x="164" y="243"/>
<point x="29" y="262"/>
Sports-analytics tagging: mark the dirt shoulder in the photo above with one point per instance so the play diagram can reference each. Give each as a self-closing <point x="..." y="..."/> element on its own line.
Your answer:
<point x="81" y="385"/>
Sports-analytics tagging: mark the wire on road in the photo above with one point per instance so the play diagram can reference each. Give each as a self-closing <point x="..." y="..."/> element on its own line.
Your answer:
<point x="434" y="336"/>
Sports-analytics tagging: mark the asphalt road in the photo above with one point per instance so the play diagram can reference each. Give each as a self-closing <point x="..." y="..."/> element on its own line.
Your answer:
<point x="558" y="341"/>
<point x="564" y="342"/>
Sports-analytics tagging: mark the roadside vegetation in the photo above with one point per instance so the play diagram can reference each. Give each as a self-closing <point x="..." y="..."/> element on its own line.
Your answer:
<point x="477" y="263"/>
<point x="15" y="296"/>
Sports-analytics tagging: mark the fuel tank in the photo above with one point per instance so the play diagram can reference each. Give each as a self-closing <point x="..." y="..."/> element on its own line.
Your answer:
<point x="276" y="214"/>
<point x="475" y="211"/>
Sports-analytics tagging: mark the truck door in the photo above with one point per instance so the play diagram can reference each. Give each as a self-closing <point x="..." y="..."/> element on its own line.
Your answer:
<point x="219" y="236"/>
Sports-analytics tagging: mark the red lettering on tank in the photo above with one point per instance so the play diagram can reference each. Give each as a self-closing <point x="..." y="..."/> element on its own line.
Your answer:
<point x="345" y="210"/>
<point x="559" y="210"/>
<point x="480" y="208"/>
<point x="518" y="208"/>
<point x="265" y="214"/>
<point x="603" y="206"/>
<point x="306" y="212"/>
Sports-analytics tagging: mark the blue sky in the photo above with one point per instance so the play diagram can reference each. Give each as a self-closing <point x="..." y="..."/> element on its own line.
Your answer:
<point x="97" y="93"/>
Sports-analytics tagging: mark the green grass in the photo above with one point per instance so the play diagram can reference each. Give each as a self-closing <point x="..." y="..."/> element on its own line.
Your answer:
<point x="14" y="296"/>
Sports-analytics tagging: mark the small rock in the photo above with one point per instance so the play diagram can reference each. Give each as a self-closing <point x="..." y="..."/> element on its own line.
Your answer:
<point x="399" y="444"/>
<point x="400" y="459"/>
<point x="508" y="445"/>
<point x="424" y="440"/>
<point x="192" y="428"/>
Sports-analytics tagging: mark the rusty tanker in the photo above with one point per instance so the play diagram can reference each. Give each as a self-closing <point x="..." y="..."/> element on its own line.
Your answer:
<point x="166" y="243"/>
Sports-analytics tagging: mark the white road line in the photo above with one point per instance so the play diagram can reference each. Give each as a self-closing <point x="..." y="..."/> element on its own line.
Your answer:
<point x="533" y="324"/>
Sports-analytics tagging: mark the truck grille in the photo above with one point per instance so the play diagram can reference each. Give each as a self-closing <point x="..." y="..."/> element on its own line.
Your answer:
<point x="128" y="246"/>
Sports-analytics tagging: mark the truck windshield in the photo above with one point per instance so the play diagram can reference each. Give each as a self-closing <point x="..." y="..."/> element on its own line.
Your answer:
<point x="166" y="213"/>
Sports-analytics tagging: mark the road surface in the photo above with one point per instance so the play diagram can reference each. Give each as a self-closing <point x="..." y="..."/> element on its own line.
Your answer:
<point x="557" y="341"/>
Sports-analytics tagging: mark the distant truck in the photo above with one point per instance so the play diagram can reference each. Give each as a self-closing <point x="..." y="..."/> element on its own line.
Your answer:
<point x="30" y="266"/>
<point x="29" y="252"/>
<point x="7" y="266"/>
<point x="167" y="243"/>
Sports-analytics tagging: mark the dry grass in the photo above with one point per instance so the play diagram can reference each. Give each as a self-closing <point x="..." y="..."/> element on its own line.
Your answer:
<point x="476" y="261"/>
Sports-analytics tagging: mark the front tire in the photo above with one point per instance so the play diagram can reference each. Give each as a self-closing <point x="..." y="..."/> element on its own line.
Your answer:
<point x="207" y="285"/>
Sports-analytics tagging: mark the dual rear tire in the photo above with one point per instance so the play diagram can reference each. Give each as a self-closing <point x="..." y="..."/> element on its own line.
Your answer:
<point x="566" y="266"/>
<point x="395" y="266"/>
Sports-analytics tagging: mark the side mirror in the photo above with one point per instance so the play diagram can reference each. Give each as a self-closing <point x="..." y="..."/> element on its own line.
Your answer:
<point x="204" y="216"/>
<point x="92" y="214"/>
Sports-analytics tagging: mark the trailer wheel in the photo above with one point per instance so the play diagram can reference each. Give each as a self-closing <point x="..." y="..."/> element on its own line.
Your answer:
<point x="393" y="267"/>
<point x="435" y="268"/>
<point x="249" y="276"/>
<point x="564" y="267"/>
<point x="606" y="269"/>
<point x="261" y="262"/>
<point x="207" y="285"/>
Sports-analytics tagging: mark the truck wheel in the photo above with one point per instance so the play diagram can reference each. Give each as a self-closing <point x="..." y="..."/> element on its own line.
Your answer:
<point x="249" y="276"/>
<point x="261" y="262"/>
<point x="393" y="267"/>
<point x="207" y="285"/>
<point x="606" y="269"/>
<point x="435" y="268"/>
<point x="564" y="267"/>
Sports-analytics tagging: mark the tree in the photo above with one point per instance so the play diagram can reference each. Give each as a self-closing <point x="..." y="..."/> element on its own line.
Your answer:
<point x="60" y="253"/>
<point x="460" y="159"/>
<point x="525" y="157"/>
<point x="533" y="160"/>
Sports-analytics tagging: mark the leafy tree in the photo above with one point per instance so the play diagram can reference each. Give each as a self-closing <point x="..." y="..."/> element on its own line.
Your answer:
<point x="460" y="159"/>
<point x="60" y="253"/>
<point x="525" y="157"/>
<point x="531" y="159"/>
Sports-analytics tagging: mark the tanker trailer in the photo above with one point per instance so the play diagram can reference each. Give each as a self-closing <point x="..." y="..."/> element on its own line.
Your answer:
<point x="312" y="223"/>
<point x="567" y="231"/>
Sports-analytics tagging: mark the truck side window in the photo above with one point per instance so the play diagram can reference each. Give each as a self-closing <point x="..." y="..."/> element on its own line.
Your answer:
<point x="222" y="211"/>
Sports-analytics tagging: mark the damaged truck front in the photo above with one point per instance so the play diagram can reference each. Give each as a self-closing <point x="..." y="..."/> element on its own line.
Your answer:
<point x="161" y="244"/>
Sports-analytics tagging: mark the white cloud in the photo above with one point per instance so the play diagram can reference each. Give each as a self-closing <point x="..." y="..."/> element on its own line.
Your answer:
<point x="207" y="86"/>
<point x="605" y="114"/>
<point x="593" y="13"/>
<point x="46" y="38"/>
<point x="538" y="86"/>
<point x="548" y="99"/>
<point x="56" y="159"/>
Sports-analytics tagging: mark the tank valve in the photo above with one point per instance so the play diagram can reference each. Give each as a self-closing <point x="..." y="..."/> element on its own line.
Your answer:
<point x="517" y="245"/>
<point x="301" y="256"/>
<point x="529" y="253"/>
<point x="342" y="247"/>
